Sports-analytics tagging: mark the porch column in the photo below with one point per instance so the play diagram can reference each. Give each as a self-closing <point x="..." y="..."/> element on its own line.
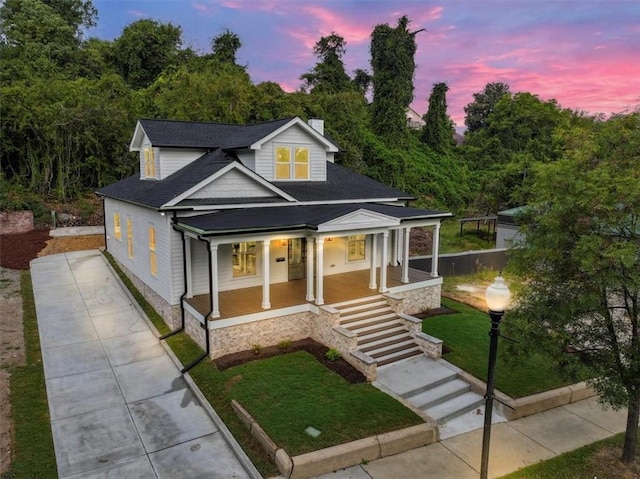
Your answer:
<point x="405" y="256"/>
<point x="434" y="251"/>
<point x="213" y="280"/>
<point x="374" y="253"/>
<point x="266" y="304"/>
<point x="320" y="271"/>
<point x="395" y="247"/>
<point x="187" y="259"/>
<point x="384" y="262"/>
<point x="310" y="296"/>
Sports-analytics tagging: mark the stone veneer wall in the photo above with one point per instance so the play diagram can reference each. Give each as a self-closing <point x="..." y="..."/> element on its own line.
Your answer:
<point x="417" y="300"/>
<point x="12" y="222"/>
<point x="266" y="332"/>
<point x="194" y="329"/>
<point x="170" y="314"/>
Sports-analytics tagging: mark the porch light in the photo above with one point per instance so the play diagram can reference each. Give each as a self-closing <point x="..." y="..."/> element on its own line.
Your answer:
<point x="329" y="238"/>
<point x="497" y="297"/>
<point x="283" y="242"/>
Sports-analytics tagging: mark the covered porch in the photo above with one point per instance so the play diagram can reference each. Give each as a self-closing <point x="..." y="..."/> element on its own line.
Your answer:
<point x="337" y="288"/>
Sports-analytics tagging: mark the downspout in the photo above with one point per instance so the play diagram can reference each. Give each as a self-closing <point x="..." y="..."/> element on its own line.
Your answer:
<point x="174" y="220"/>
<point x="104" y="220"/>
<point x="205" y="324"/>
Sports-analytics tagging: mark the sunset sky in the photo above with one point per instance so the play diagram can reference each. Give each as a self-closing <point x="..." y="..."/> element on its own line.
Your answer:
<point x="583" y="53"/>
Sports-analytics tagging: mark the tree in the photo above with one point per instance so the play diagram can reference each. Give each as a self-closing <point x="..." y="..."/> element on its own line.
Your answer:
<point x="145" y="49"/>
<point x="479" y="110"/>
<point x="225" y="47"/>
<point x="328" y="76"/>
<point x="362" y="80"/>
<point x="392" y="59"/>
<point x="437" y="131"/>
<point x="581" y="259"/>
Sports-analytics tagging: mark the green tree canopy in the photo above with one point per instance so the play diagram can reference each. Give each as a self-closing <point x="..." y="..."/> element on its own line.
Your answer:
<point x="479" y="110"/>
<point x="437" y="131"/>
<point x="328" y="76"/>
<point x="225" y="46"/>
<point x="581" y="259"/>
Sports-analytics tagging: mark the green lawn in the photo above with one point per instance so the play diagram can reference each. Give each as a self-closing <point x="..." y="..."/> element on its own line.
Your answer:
<point x="466" y="333"/>
<point x="597" y="460"/>
<point x="452" y="242"/>
<point x="33" y="454"/>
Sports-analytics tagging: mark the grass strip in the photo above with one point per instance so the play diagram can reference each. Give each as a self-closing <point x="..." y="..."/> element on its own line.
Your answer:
<point x="466" y="334"/>
<point x="33" y="453"/>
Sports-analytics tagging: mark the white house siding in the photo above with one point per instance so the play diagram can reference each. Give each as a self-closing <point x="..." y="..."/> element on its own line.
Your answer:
<point x="233" y="184"/>
<point x="294" y="136"/>
<point x="335" y="256"/>
<point x="142" y="219"/>
<point x="247" y="158"/>
<point x="170" y="160"/>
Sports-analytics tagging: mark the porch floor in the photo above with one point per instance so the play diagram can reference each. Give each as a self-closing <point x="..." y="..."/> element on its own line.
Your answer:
<point x="337" y="288"/>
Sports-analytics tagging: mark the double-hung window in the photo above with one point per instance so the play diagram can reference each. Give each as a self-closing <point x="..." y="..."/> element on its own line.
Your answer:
<point x="356" y="247"/>
<point x="129" y="238"/>
<point x="149" y="163"/>
<point x="153" y="262"/>
<point x="117" y="232"/>
<point x="244" y="259"/>
<point x="292" y="163"/>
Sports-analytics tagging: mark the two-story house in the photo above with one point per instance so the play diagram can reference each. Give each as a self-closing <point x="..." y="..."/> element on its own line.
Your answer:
<point x="251" y="234"/>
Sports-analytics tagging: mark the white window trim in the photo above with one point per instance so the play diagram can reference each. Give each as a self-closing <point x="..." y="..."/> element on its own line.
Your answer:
<point x="346" y="249"/>
<point x="292" y="161"/>
<point x="245" y="276"/>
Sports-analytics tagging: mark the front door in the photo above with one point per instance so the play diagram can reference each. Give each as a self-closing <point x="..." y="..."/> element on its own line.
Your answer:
<point x="297" y="258"/>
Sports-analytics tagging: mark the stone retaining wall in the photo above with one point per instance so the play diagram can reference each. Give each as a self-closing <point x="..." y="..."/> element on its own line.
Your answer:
<point x="13" y="222"/>
<point x="337" y="457"/>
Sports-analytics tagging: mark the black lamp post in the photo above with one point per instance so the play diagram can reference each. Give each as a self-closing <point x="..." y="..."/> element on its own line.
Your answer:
<point x="497" y="297"/>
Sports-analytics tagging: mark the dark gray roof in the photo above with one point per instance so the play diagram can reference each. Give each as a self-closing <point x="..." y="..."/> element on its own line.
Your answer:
<point x="342" y="184"/>
<point x="156" y="193"/>
<point x="192" y="134"/>
<point x="278" y="218"/>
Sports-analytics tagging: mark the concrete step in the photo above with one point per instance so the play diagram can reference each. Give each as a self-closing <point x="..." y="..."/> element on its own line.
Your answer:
<point x="403" y="335"/>
<point x="439" y="394"/>
<point x="362" y="323"/>
<point x="349" y="318"/>
<point x="363" y="307"/>
<point x="376" y="326"/>
<point x="428" y="380"/>
<point x="399" y="355"/>
<point x="380" y="335"/>
<point x="353" y="302"/>
<point x="455" y="407"/>
<point x="391" y="348"/>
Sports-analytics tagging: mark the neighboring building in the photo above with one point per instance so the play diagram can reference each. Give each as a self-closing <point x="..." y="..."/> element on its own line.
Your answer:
<point x="507" y="234"/>
<point x="414" y="120"/>
<point x="251" y="234"/>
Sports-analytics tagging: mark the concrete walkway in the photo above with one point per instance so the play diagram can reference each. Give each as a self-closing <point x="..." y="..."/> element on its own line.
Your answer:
<point x="119" y="406"/>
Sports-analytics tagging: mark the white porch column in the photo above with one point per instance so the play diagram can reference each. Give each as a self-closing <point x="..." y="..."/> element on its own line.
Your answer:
<point x="434" y="251"/>
<point x="384" y="262"/>
<point x="374" y="254"/>
<point x="266" y="304"/>
<point x="310" y="296"/>
<point x="395" y="247"/>
<point x="189" y="274"/>
<point x="320" y="271"/>
<point x="405" y="256"/>
<point x="213" y="287"/>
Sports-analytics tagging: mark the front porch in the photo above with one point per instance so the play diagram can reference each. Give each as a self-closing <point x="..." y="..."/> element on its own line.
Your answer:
<point x="337" y="288"/>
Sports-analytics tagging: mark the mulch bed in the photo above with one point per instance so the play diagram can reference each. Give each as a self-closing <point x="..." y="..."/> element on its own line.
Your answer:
<point x="17" y="250"/>
<point x="434" y="312"/>
<point x="317" y="350"/>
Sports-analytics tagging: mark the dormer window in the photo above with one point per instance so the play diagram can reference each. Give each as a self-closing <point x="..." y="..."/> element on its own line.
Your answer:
<point x="292" y="163"/>
<point x="149" y="163"/>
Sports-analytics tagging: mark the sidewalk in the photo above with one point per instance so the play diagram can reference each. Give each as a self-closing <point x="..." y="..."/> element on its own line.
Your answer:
<point x="119" y="406"/>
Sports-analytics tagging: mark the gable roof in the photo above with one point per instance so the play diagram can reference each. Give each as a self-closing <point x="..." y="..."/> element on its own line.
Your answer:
<point x="279" y="218"/>
<point x="193" y="134"/>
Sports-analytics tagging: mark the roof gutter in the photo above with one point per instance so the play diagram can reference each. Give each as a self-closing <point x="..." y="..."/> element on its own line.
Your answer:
<point x="205" y="324"/>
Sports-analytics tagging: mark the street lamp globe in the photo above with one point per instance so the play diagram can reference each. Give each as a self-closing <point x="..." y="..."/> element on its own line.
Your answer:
<point x="498" y="295"/>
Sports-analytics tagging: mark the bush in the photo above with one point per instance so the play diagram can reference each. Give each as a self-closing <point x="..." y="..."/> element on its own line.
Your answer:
<point x="332" y="354"/>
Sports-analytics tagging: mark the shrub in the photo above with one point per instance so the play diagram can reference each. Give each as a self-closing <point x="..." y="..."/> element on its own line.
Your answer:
<point x="332" y="354"/>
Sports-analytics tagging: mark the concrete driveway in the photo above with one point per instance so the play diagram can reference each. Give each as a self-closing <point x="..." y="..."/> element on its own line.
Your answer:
<point x="119" y="405"/>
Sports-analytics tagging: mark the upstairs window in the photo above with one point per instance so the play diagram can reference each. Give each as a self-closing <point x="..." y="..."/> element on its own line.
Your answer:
<point x="356" y="247"/>
<point x="244" y="259"/>
<point x="129" y="238"/>
<point x="153" y="262"/>
<point x="292" y="162"/>
<point x="117" y="232"/>
<point x="149" y="163"/>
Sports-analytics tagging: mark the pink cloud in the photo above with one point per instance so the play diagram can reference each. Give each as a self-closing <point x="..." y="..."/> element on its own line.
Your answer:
<point x="205" y="9"/>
